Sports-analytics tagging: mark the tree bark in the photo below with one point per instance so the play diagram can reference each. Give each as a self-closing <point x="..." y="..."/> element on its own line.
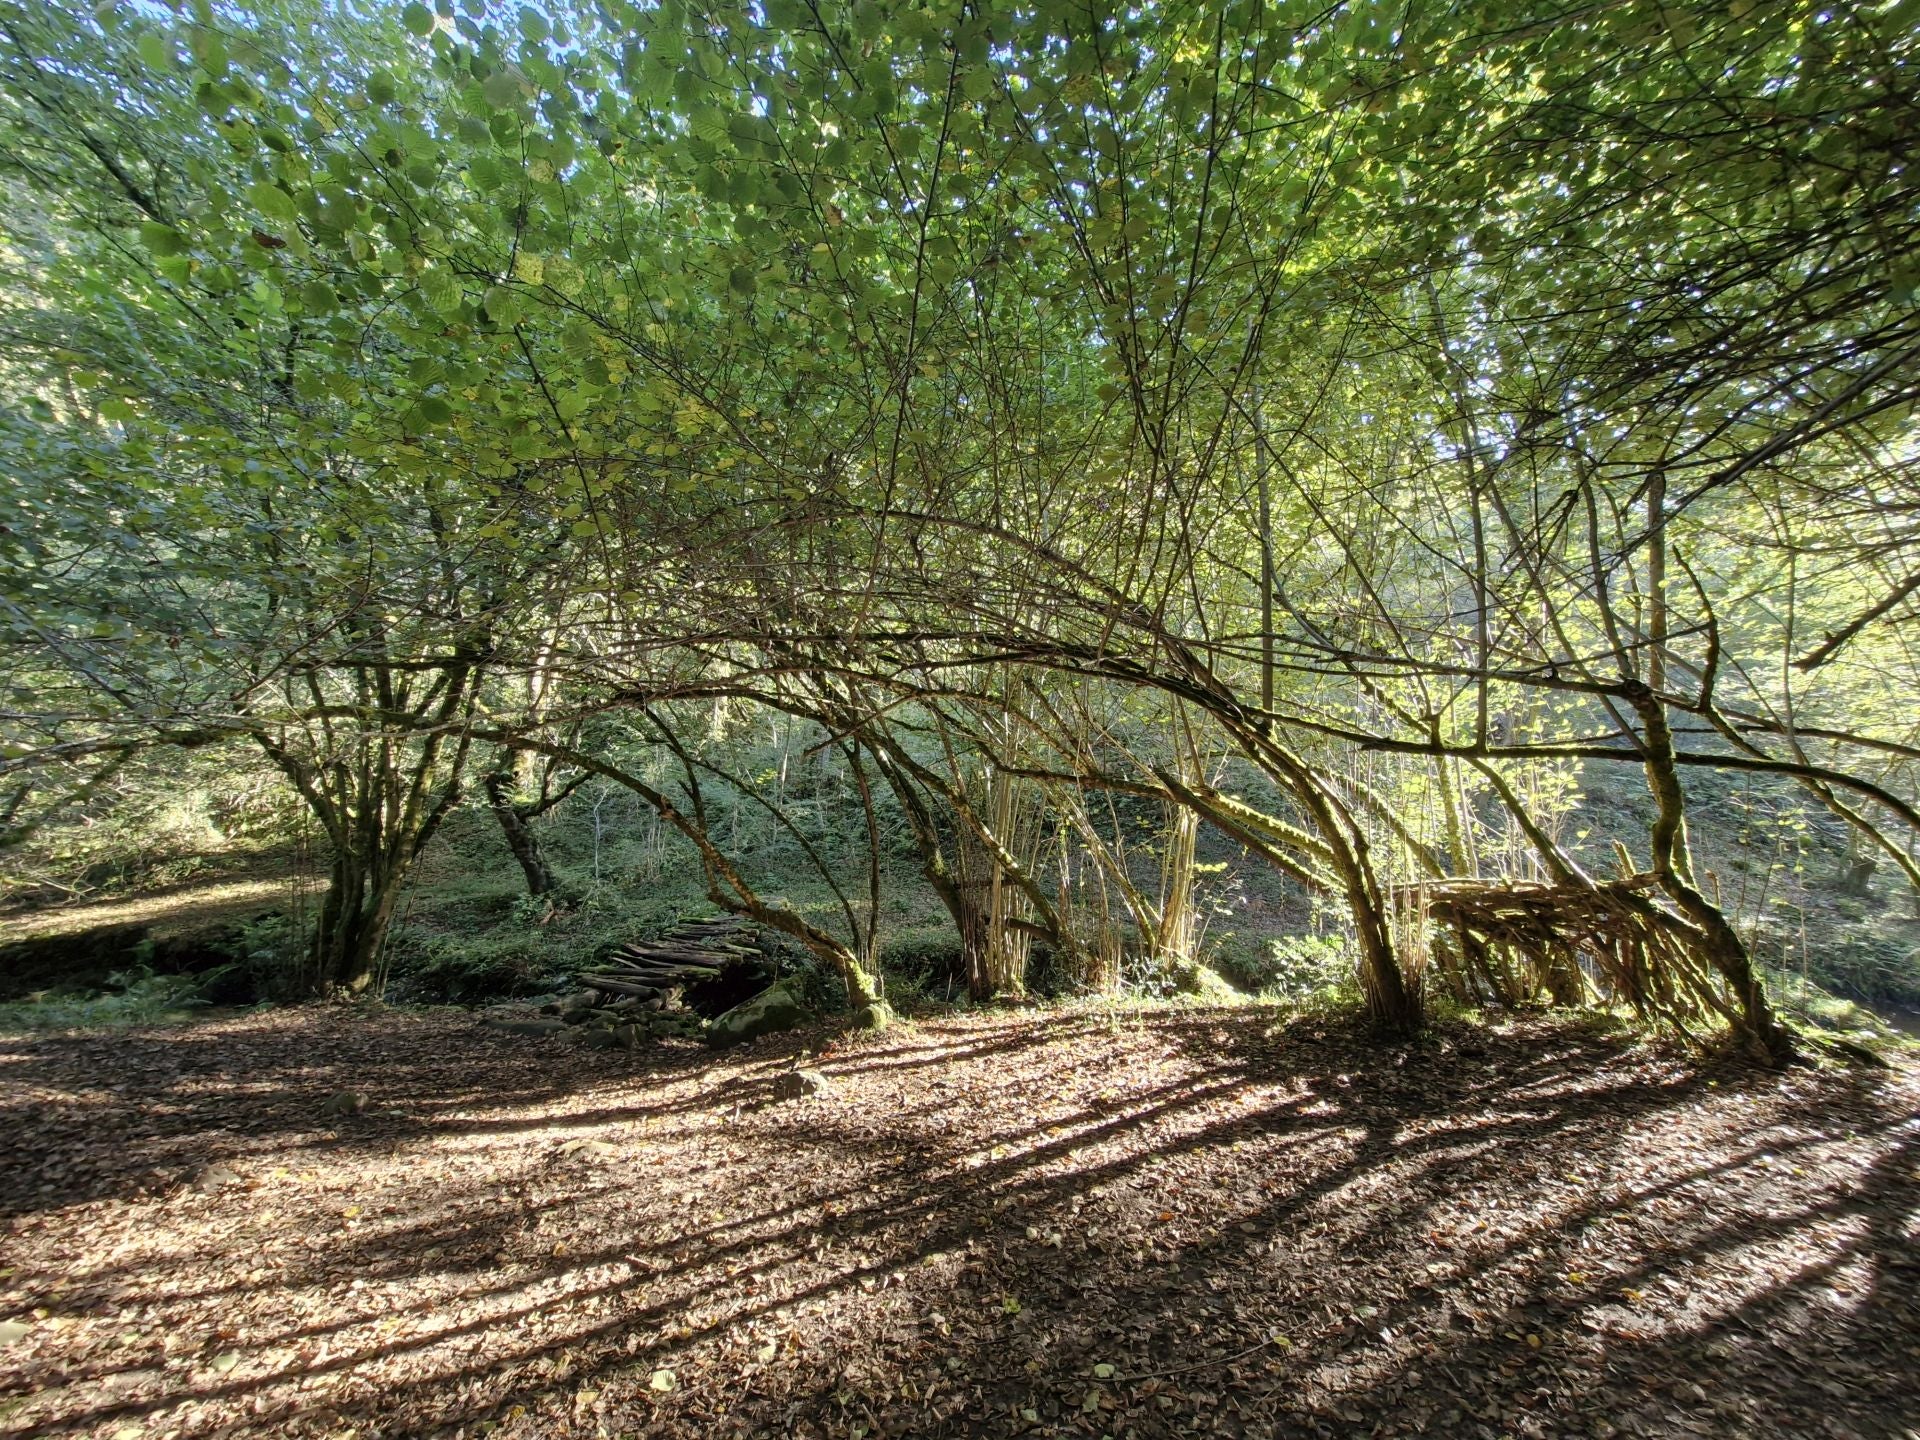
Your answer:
<point x="1756" y="1027"/>
<point x="516" y="826"/>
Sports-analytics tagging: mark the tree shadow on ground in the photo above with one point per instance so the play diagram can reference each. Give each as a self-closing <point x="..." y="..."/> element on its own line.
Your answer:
<point x="1165" y="1224"/>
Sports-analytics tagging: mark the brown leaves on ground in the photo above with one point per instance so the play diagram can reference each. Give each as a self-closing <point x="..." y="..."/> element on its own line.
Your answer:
<point x="1047" y="1223"/>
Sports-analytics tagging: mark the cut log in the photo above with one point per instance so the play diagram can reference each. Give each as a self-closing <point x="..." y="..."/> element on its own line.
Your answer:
<point x="610" y="986"/>
<point x="676" y="962"/>
<point x="660" y="951"/>
<point x="655" y="966"/>
<point x="616" y="963"/>
<point x="659" y="979"/>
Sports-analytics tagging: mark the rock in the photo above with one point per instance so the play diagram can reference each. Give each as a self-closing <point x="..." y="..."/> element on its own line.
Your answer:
<point x="575" y="1008"/>
<point x="613" y="1037"/>
<point x="877" y="1016"/>
<point x="213" y="1177"/>
<point x="532" y="1028"/>
<point x="346" y="1102"/>
<point x="1190" y="977"/>
<point x="774" y="1009"/>
<point x="798" y="1084"/>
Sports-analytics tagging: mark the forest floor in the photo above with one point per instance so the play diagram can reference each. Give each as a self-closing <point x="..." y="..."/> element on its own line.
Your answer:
<point x="1052" y="1222"/>
<point x="192" y="905"/>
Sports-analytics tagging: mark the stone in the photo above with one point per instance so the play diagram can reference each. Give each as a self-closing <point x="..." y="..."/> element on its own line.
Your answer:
<point x="614" y="1037"/>
<point x="1202" y="982"/>
<point x="533" y="1029"/>
<point x="877" y="1016"/>
<point x="214" y="1177"/>
<point x="346" y="1102"/>
<point x="798" y="1084"/>
<point x="774" y="1009"/>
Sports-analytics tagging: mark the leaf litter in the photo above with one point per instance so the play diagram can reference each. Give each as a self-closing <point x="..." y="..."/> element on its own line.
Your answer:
<point x="1069" y="1222"/>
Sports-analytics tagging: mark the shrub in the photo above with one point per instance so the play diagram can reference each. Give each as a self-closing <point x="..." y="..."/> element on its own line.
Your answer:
<point x="923" y="963"/>
<point x="138" y="997"/>
<point x="1300" y="967"/>
<point x="441" y="968"/>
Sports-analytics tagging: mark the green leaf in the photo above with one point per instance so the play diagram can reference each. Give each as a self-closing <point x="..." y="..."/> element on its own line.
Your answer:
<point x="441" y="288"/>
<point x="156" y="51"/>
<point x="418" y="19"/>
<point x="273" y="202"/>
<point x="162" y="239"/>
<point x="564" y="275"/>
<point x="503" y="306"/>
<point x="501" y="88"/>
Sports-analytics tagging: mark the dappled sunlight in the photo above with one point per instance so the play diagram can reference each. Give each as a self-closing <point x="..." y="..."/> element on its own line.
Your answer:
<point x="194" y="904"/>
<point x="1211" y="1220"/>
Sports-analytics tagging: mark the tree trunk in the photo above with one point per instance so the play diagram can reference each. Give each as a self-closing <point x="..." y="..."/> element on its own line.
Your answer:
<point x="1756" y="1026"/>
<point x="520" y="836"/>
<point x="354" y="918"/>
<point x="1392" y="1004"/>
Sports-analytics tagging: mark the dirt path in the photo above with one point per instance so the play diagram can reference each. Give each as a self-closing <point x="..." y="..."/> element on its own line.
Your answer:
<point x="1188" y="1223"/>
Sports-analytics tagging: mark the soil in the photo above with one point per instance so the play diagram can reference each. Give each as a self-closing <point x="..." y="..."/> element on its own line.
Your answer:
<point x="1065" y="1222"/>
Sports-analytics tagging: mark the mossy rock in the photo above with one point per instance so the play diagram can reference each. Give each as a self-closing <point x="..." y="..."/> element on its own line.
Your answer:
<point x="1202" y="982"/>
<point x="774" y="1009"/>
<point x="531" y="1029"/>
<point x="877" y="1016"/>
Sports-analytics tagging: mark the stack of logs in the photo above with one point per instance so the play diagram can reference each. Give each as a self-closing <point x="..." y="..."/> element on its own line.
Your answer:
<point x="654" y="970"/>
<point x="1517" y="942"/>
